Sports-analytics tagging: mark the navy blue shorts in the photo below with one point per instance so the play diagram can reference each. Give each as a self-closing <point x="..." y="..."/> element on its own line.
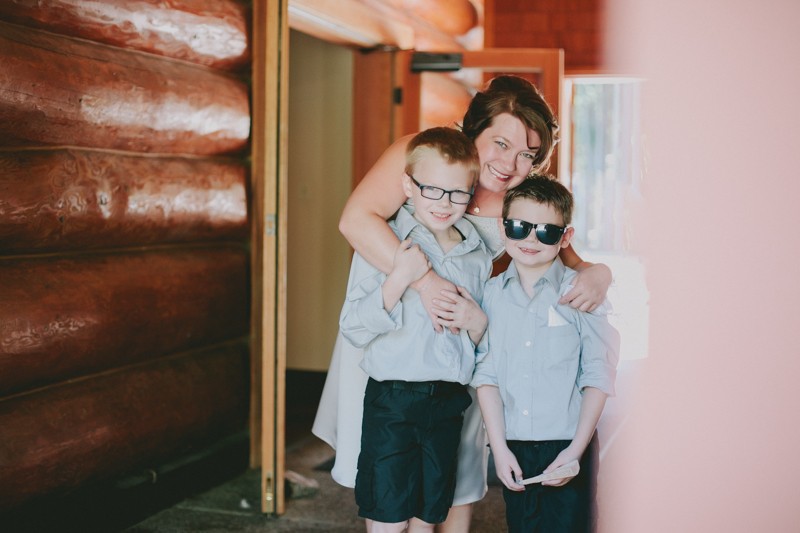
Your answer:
<point x="543" y="509"/>
<point x="409" y="445"/>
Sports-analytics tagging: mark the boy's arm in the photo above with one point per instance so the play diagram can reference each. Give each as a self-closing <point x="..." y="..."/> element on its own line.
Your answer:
<point x="505" y="463"/>
<point x="410" y="263"/>
<point x="591" y="408"/>
<point x="363" y="317"/>
<point x="372" y="307"/>
<point x="598" y="367"/>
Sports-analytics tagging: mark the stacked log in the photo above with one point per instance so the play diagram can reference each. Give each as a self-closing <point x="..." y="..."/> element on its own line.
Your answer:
<point x="124" y="130"/>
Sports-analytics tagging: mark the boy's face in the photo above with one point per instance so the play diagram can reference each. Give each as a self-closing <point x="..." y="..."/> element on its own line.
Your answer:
<point x="530" y="252"/>
<point x="434" y="171"/>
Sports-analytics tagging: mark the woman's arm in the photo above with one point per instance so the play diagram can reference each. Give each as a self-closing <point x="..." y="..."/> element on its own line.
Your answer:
<point x="376" y="198"/>
<point x="591" y="283"/>
<point x="363" y="222"/>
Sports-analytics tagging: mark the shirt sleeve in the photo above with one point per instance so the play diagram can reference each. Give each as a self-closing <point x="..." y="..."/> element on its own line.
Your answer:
<point x="485" y="373"/>
<point x="363" y="317"/>
<point x="600" y="343"/>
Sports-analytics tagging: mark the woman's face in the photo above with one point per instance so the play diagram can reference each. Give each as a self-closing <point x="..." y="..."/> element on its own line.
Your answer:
<point x="506" y="150"/>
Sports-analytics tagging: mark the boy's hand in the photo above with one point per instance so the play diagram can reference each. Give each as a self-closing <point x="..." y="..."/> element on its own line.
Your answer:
<point x="507" y="468"/>
<point x="459" y="310"/>
<point x="567" y="455"/>
<point x="410" y="262"/>
<point x="590" y="288"/>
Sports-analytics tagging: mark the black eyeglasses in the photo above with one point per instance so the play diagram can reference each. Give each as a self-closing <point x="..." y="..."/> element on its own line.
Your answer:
<point x="546" y="233"/>
<point x="435" y="193"/>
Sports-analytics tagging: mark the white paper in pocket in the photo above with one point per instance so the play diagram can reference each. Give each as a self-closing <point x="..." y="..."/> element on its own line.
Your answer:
<point x="555" y="319"/>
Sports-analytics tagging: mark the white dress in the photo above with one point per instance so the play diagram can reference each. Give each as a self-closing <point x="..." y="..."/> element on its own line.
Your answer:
<point x="341" y="407"/>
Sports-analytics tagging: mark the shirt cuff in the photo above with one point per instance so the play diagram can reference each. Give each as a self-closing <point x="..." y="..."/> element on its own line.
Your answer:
<point x="375" y="318"/>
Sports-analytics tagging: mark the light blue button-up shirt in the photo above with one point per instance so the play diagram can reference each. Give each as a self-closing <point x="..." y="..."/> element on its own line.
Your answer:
<point x="401" y="344"/>
<point x="541" y="354"/>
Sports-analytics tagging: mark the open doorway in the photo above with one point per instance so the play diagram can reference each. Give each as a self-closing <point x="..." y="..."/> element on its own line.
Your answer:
<point x="319" y="182"/>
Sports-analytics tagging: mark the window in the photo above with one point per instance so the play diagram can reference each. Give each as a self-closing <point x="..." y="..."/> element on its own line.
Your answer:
<point x="602" y="162"/>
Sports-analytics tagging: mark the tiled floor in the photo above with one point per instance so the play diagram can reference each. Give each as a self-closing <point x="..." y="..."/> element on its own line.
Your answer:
<point x="232" y="505"/>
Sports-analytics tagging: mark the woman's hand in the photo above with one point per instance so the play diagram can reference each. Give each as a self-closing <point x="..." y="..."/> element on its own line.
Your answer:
<point x="429" y="288"/>
<point x="590" y="288"/>
<point x="458" y="310"/>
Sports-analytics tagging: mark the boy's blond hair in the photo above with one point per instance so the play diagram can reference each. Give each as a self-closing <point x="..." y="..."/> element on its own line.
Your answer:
<point x="452" y="145"/>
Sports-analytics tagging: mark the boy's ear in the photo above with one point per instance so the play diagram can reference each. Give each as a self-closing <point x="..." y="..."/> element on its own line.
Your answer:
<point x="407" y="185"/>
<point x="567" y="237"/>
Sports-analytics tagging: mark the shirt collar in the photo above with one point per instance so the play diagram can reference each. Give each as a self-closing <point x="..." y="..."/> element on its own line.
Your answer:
<point x="554" y="275"/>
<point x="405" y="222"/>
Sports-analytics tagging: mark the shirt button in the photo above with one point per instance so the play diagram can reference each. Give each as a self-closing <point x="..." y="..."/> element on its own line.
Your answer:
<point x="525" y="412"/>
<point x="528" y="343"/>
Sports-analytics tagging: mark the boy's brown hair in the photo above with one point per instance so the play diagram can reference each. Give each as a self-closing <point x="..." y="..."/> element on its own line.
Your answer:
<point x="450" y="144"/>
<point x="543" y="189"/>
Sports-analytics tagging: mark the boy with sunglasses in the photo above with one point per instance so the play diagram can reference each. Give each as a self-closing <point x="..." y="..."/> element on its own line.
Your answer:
<point x="417" y="389"/>
<point x="549" y="368"/>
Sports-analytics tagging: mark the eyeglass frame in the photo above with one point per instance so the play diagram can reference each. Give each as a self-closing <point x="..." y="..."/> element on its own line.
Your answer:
<point x="531" y="226"/>
<point x="423" y="188"/>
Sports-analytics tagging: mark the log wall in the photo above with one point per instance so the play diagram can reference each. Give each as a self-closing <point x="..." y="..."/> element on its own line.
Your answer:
<point x="124" y="135"/>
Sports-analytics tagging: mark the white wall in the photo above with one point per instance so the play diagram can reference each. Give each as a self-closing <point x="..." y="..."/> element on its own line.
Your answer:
<point x="320" y="176"/>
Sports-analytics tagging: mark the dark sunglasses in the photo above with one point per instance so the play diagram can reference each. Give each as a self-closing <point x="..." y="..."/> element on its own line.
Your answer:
<point x="546" y="233"/>
<point x="435" y="193"/>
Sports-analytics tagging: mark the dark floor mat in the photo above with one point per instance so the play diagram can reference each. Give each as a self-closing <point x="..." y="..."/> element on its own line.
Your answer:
<point x="326" y="466"/>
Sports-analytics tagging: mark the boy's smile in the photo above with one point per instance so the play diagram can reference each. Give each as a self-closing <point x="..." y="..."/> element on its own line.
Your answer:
<point x="437" y="215"/>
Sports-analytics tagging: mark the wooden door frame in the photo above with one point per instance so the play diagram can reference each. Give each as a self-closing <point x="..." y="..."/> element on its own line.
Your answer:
<point x="268" y="178"/>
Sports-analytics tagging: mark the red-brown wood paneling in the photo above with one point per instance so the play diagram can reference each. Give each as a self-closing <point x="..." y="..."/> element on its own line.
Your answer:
<point x="56" y="90"/>
<point x="68" y="317"/>
<point x="577" y="26"/>
<point x="124" y="266"/>
<point x="78" y="199"/>
<point x="208" y="32"/>
<point x="57" y="438"/>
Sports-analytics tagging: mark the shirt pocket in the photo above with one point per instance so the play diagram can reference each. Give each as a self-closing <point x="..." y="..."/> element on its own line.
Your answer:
<point x="561" y="344"/>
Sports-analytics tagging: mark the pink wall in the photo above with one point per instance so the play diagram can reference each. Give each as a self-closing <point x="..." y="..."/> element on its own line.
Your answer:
<point x="713" y="437"/>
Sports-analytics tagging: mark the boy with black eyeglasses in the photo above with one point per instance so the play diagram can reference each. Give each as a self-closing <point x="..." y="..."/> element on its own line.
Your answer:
<point x="417" y="389"/>
<point x="549" y="368"/>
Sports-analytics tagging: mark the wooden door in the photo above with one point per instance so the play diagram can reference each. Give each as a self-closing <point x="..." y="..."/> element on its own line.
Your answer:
<point x="268" y="249"/>
<point x="391" y="98"/>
